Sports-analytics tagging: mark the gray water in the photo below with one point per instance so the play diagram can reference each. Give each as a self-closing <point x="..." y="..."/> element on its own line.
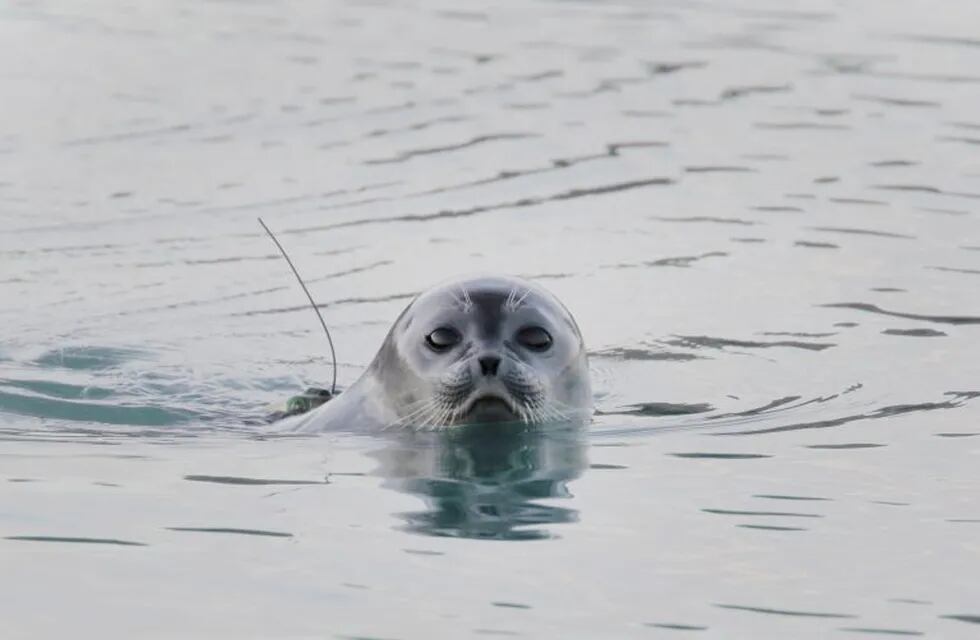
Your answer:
<point x="764" y="217"/>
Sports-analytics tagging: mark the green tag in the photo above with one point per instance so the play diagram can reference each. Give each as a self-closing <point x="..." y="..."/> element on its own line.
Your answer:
<point x="306" y="401"/>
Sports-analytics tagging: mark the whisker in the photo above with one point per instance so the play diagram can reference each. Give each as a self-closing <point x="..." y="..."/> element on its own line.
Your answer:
<point x="520" y="301"/>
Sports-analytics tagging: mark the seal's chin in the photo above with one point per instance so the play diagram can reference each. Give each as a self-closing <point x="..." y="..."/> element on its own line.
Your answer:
<point x="489" y="407"/>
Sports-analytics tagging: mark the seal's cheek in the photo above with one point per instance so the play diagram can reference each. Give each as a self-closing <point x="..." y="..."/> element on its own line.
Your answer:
<point x="413" y="351"/>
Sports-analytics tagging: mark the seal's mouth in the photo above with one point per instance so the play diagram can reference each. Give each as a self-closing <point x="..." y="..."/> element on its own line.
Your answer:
<point x="489" y="407"/>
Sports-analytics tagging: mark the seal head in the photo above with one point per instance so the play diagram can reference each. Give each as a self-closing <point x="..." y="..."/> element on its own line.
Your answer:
<point x="473" y="351"/>
<point x="484" y="350"/>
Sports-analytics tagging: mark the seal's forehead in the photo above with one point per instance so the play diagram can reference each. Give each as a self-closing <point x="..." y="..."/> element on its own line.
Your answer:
<point x="490" y="300"/>
<point x="496" y="294"/>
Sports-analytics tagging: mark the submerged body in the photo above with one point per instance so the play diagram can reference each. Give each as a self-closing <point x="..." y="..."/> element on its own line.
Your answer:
<point x="472" y="351"/>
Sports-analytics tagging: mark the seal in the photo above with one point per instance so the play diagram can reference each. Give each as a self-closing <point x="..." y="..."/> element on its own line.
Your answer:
<point x="486" y="349"/>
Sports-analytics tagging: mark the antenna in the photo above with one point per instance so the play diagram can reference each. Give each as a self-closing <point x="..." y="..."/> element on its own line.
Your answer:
<point x="333" y="354"/>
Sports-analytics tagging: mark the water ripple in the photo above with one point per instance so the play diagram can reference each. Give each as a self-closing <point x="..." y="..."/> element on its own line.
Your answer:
<point x="785" y="612"/>
<point x="864" y="306"/>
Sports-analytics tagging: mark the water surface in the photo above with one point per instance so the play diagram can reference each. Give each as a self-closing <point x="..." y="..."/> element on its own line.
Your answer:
<point x="764" y="218"/>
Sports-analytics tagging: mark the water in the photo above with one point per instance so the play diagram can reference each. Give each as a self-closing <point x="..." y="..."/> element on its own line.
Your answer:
<point x="764" y="217"/>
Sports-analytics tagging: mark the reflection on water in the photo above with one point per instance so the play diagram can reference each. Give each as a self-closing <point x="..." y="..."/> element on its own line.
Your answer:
<point x="480" y="483"/>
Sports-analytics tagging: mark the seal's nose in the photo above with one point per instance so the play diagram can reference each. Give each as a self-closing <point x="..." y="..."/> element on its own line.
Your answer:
<point x="489" y="365"/>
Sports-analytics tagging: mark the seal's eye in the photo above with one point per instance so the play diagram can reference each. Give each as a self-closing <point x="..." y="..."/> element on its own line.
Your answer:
<point x="443" y="339"/>
<point x="534" y="338"/>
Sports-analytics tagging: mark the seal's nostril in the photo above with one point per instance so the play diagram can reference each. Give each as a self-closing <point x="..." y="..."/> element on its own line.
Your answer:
<point x="488" y="365"/>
